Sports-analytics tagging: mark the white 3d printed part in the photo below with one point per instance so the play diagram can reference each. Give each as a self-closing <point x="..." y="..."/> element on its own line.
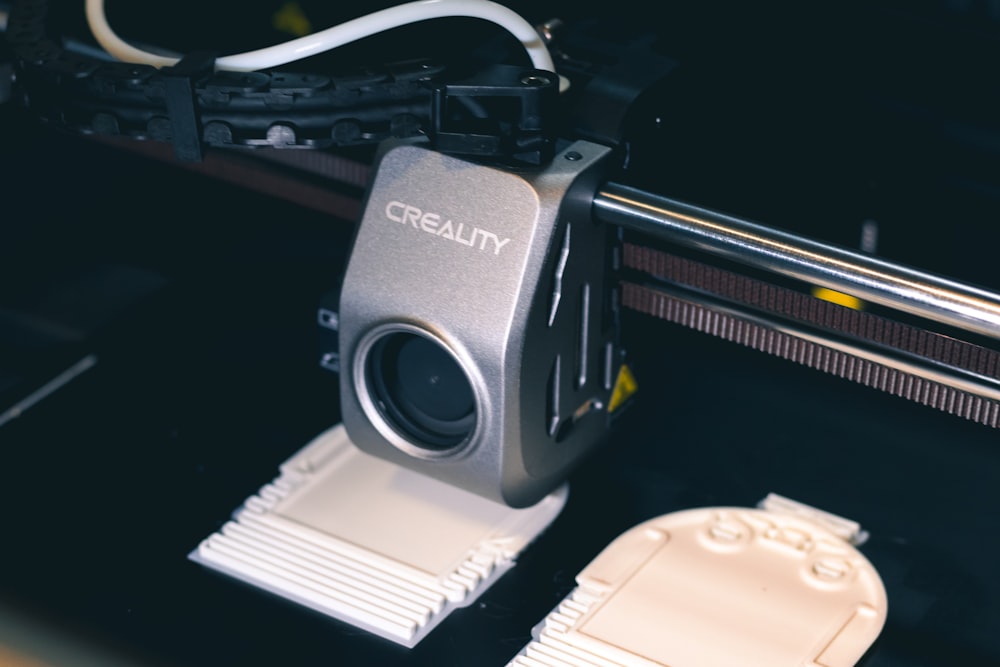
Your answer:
<point x="780" y="586"/>
<point x="374" y="545"/>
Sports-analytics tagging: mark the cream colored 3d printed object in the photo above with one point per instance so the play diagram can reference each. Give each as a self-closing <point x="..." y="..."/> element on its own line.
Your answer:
<point x="372" y="544"/>
<point x="779" y="586"/>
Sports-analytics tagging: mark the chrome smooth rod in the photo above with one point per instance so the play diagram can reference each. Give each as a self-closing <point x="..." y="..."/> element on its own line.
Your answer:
<point x="869" y="278"/>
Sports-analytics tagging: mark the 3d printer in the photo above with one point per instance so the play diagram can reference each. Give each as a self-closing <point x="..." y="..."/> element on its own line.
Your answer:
<point x="850" y="312"/>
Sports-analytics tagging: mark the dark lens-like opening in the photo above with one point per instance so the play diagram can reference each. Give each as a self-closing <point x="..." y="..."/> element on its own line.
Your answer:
<point x="421" y="390"/>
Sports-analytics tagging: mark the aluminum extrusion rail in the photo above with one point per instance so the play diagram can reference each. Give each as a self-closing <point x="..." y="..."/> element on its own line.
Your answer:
<point x="876" y="280"/>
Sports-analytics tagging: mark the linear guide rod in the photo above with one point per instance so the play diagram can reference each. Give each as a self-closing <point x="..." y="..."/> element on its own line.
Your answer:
<point x="876" y="280"/>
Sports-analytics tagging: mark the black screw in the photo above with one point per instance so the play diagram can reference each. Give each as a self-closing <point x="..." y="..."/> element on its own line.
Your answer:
<point x="534" y="80"/>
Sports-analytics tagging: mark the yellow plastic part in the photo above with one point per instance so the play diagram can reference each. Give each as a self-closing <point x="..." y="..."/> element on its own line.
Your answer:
<point x="291" y="19"/>
<point x="625" y="388"/>
<point x="838" y="298"/>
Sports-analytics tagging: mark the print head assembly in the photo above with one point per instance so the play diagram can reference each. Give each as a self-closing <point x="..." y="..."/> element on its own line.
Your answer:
<point x="478" y="337"/>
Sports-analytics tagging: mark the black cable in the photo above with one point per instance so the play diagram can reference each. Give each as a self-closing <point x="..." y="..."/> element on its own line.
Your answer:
<point x="85" y="94"/>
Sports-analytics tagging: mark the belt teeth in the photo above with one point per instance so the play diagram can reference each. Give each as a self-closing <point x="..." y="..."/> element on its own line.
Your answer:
<point x="812" y="354"/>
<point x="802" y="307"/>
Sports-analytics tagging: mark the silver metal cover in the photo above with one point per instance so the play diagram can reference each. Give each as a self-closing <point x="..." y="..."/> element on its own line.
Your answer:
<point x="506" y="272"/>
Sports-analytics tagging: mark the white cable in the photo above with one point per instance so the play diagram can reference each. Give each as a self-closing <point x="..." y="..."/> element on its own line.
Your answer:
<point x="113" y="44"/>
<point x="339" y="35"/>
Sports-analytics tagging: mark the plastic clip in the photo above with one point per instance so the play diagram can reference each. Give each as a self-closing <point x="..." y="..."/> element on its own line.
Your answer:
<point x="179" y="88"/>
<point x="504" y="111"/>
